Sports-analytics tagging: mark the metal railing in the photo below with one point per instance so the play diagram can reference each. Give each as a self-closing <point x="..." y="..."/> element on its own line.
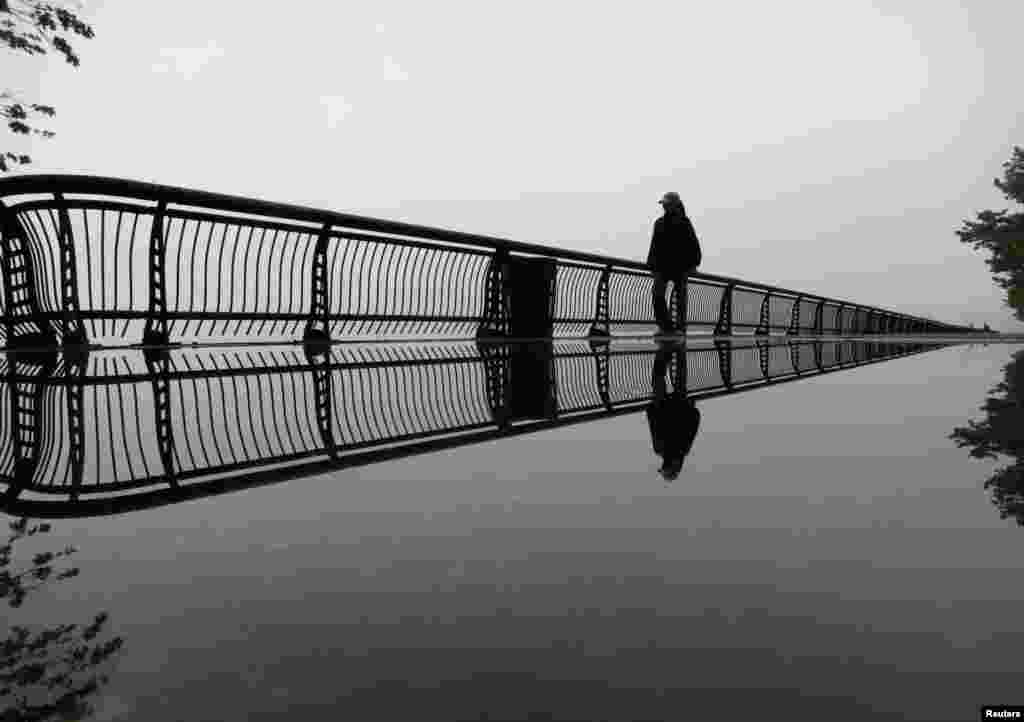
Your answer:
<point x="102" y="261"/>
<point x="123" y="429"/>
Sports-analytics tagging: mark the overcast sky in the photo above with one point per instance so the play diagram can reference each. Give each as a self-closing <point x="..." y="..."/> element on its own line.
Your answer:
<point x="831" y="147"/>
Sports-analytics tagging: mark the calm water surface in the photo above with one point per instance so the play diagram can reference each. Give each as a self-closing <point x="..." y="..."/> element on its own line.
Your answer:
<point x="826" y="553"/>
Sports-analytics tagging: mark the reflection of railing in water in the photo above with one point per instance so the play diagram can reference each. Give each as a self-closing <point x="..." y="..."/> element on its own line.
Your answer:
<point x="121" y="430"/>
<point x="100" y="260"/>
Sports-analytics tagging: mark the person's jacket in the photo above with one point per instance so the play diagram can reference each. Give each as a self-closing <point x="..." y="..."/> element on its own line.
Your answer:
<point x="675" y="249"/>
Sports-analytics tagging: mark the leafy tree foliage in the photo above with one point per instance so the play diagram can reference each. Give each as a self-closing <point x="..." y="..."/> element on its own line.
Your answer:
<point x="34" y="27"/>
<point x="1002" y="234"/>
<point x="1001" y="433"/>
<point x="48" y="673"/>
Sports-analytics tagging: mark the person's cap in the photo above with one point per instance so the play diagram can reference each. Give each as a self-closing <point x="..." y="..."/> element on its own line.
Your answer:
<point x="671" y="198"/>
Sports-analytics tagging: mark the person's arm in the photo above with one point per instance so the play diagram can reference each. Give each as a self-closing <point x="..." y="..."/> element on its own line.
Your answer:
<point x="694" y="244"/>
<point x="652" y="253"/>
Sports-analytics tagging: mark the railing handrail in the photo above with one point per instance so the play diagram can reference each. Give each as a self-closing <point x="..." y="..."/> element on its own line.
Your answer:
<point x="104" y="185"/>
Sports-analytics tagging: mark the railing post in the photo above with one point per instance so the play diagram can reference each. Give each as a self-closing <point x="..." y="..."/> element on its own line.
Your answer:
<point x="819" y="321"/>
<point x="764" y="358"/>
<point x="495" y="321"/>
<point x="601" y="326"/>
<point x="158" y="369"/>
<point x="317" y="327"/>
<point x="724" y="349"/>
<point x="794" y="356"/>
<point x="839" y="319"/>
<point x="497" y="373"/>
<point x="679" y="370"/>
<point x="680" y="303"/>
<point x="869" y="325"/>
<point x="75" y="365"/>
<point x="764" y="318"/>
<point x="26" y="415"/>
<point x="322" y="388"/>
<point x="156" y="331"/>
<point x="602" y="363"/>
<point x="724" y="325"/>
<point x="72" y="329"/>
<point x="20" y="299"/>
<point x="794" y="317"/>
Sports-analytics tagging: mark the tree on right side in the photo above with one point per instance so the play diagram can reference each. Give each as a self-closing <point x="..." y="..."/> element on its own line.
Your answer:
<point x="1002" y="234"/>
<point x="1000" y="435"/>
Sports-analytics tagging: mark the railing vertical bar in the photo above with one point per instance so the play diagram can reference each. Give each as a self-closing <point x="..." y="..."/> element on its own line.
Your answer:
<point x="404" y="288"/>
<point x="103" y="267"/>
<point x="284" y="269"/>
<point x="247" y="293"/>
<point x="257" y="301"/>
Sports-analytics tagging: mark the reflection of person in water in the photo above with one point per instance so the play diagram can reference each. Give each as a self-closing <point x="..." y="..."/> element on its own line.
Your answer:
<point x="672" y="417"/>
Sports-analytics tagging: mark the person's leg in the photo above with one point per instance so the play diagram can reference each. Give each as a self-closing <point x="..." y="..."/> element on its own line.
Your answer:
<point x="661" y="314"/>
<point x="659" y="388"/>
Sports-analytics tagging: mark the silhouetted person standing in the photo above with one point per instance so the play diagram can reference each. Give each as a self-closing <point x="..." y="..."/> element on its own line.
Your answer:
<point x="674" y="253"/>
<point x="672" y="417"/>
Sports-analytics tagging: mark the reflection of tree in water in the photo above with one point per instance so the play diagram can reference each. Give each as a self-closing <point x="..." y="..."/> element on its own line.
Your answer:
<point x="47" y="673"/>
<point x="1002" y="433"/>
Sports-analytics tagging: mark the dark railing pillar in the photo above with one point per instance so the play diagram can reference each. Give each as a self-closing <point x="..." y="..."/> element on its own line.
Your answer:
<point x="764" y="358"/>
<point x="20" y="299"/>
<point x="680" y="304"/>
<point x="317" y="326"/>
<point x="72" y="328"/>
<point x="869" y="324"/>
<point x="764" y="317"/>
<point x="602" y="362"/>
<point x="601" y="326"/>
<point x="817" y="347"/>
<point x="158" y="368"/>
<point x="794" y="356"/>
<point x="724" y="325"/>
<point x="794" y="317"/>
<point x="322" y="389"/>
<point x="679" y="371"/>
<point x="26" y="414"/>
<point x="724" y="349"/>
<point x="819" y="320"/>
<point x="156" y="331"/>
<point x="495" y="321"/>
<point x="520" y="381"/>
<point x="497" y="373"/>
<point x="75" y="365"/>
<point x="839" y="319"/>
